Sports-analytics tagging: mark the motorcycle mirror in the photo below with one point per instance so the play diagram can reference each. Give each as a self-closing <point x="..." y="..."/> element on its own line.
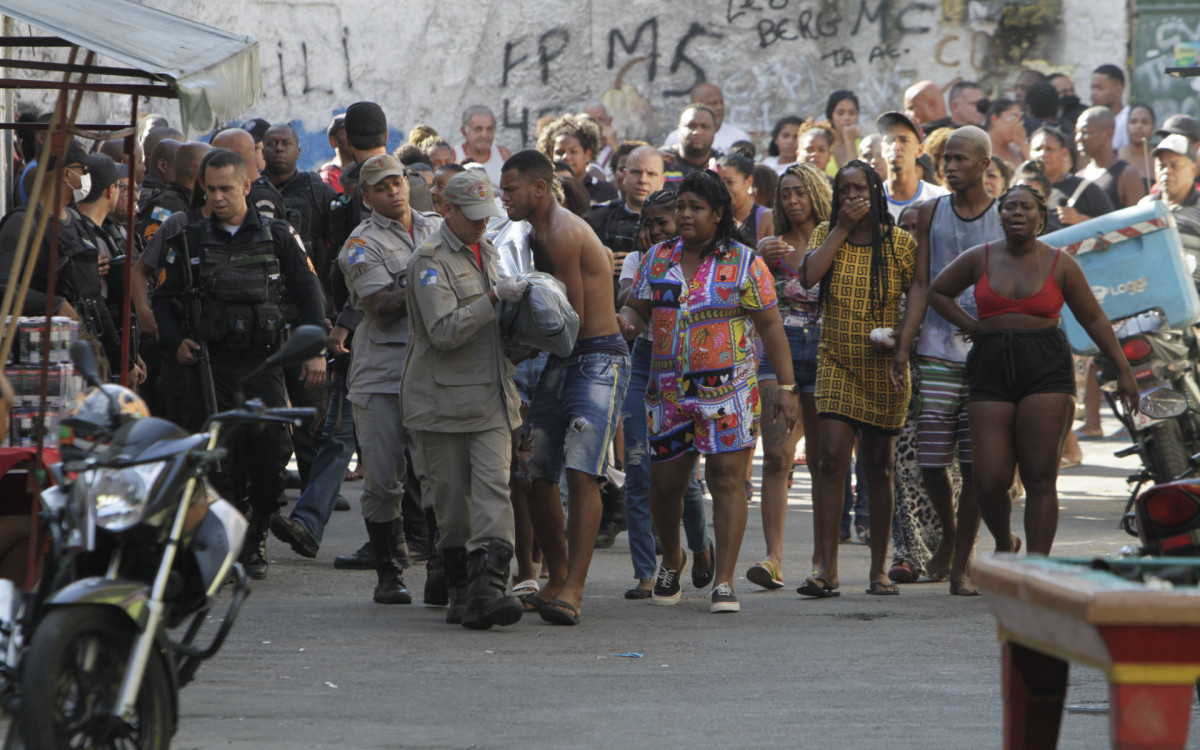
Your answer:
<point x="85" y="362"/>
<point x="305" y="343"/>
<point x="1163" y="403"/>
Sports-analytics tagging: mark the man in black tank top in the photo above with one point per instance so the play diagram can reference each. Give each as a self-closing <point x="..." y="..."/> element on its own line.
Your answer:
<point x="1094" y="136"/>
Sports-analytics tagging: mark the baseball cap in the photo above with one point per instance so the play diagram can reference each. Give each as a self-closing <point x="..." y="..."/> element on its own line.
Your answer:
<point x="76" y="154"/>
<point x="378" y="167"/>
<point x="1177" y="143"/>
<point x="888" y="120"/>
<point x="1180" y="125"/>
<point x="257" y="127"/>
<point x="472" y="192"/>
<point x="365" y="119"/>
<point x="337" y="123"/>
<point x="104" y="175"/>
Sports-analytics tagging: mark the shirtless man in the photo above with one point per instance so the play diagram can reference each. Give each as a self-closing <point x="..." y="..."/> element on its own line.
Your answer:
<point x="576" y="406"/>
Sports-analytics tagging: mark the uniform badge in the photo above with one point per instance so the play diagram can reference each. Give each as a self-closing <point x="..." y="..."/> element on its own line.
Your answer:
<point x="356" y="255"/>
<point x="159" y="214"/>
<point x="171" y="255"/>
<point x="429" y="276"/>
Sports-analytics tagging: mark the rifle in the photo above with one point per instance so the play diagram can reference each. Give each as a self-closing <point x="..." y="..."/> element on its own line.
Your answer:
<point x="192" y="294"/>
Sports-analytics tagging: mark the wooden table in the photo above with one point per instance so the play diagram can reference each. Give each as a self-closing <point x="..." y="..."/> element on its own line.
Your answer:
<point x="1146" y="640"/>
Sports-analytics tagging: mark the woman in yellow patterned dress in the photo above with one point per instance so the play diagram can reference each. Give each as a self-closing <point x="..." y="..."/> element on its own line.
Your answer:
<point x="865" y="264"/>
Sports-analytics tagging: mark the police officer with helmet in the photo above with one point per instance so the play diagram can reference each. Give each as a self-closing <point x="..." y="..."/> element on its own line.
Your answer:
<point x="245" y="268"/>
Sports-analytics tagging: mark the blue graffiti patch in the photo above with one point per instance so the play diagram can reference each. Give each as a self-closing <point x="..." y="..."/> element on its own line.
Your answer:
<point x="429" y="276"/>
<point x="357" y="255"/>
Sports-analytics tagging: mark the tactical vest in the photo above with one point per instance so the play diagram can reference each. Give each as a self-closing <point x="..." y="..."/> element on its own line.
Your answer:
<point x="242" y="290"/>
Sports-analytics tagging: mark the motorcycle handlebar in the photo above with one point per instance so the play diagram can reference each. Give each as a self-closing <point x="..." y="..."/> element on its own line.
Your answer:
<point x="255" y="412"/>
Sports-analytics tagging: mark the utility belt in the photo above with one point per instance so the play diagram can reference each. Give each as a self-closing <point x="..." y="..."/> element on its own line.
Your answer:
<point x="240" y="326"/>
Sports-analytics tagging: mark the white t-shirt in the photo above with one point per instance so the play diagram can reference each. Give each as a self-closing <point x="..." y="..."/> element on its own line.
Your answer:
<point x="926" y="191"/>
<point x="724" y="138"/>
<point x="773" y="163"/>
<point x="629" y="269"/>
<point x="1121" y="129"/>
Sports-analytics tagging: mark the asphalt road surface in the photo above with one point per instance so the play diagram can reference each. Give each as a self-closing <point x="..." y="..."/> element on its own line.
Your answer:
<point x="314" y="663"/>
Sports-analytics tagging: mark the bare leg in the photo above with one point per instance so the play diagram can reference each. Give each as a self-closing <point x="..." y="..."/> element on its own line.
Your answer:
<point x="779" y="450"/>
<point x="941" y="495"/>
<point x="668" y="481"/>
<point x="879" y="452"/>
<point x="837" y="440"/>
<point x="724" y="471"/>
<point x="995" y="461"/>
<point x="1042" y="422"/>
<point x="1091" y="403"/>
<point x="546" y="515"/>
<point x="583" y="521"/>
<point x="518" y="488"/>
<point x="967" y="531"/>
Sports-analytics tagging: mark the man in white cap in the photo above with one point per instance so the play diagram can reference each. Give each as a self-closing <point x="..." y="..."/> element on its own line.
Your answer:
<point x="1175" y="171"/>
<point x="460" y="404"/>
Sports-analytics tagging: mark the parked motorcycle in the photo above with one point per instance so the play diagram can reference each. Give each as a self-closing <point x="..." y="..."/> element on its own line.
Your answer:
<point x="1160" y="358"/>
<point x="139" y="548"/>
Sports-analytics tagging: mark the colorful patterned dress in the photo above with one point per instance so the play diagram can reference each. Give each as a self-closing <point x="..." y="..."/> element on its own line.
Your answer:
<point x="703" y="393"/>
<point x="852" y="378"/>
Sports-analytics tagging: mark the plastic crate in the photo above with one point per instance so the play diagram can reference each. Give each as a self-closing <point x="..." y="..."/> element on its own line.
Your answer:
<point x="1134" y="262"/>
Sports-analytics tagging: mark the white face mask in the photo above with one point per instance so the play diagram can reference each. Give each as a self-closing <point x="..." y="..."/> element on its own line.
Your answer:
<point x="85" y="187"/>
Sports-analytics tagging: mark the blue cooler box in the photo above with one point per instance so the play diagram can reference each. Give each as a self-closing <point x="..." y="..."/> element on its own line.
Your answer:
<point x="1134" y="261"/>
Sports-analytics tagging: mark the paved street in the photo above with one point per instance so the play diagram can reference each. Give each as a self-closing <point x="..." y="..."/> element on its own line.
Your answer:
<point x="313" y="663"/>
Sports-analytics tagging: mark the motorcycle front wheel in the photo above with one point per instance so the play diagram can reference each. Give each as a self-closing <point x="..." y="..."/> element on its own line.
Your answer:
<point x="1168" y="455"/>
<point x="73" y="672"/>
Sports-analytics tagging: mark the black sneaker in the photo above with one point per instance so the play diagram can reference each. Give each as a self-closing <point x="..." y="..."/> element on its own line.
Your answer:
<point x="361" y="559"/>
<point x="723" y="600"/>
<point x="293" y="533"/>
<point x="667" y="588"/>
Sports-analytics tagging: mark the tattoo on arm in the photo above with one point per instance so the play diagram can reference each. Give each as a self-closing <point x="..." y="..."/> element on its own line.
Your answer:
<point x="386" y="307"/>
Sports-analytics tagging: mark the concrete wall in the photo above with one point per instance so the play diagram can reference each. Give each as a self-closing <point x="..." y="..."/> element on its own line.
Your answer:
<point x="425" y="61"/>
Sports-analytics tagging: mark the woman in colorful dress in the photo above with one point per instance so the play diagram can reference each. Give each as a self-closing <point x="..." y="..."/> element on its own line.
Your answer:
<point x="802" y="201"/>
<point x="706" y="293"/>
<point x="865" y="264"/>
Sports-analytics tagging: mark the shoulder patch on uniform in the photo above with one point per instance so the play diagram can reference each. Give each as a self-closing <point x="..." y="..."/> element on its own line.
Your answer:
<point x="160" y="214"/>
<point x="428" y="276"/>
<point x="358" y="270"/>
<point x="356" y="254"/>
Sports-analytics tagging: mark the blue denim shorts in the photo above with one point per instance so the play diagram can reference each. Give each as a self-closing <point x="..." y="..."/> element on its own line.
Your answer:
<point x="803" y="343"/>
<point x="575" y="412"/>
<point x="527" y="374"/>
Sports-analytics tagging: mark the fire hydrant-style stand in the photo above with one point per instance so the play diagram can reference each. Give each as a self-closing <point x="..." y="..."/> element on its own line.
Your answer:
<point x="1144" y="638"/>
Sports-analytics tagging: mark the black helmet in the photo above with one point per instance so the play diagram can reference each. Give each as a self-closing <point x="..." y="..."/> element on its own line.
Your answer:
<point x="92" y="418"/>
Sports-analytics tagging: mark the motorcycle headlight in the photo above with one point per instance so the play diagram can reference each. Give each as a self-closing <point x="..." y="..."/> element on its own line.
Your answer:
<point x="119" y="495"/>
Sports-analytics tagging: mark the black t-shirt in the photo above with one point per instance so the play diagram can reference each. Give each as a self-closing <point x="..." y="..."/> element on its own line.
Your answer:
<point x="1091" y="201"/>
<point x="599" y="191"/>
<point x="615" y="225"/>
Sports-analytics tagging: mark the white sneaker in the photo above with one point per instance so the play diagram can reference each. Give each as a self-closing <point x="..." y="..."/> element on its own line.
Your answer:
<point x="723" y="600"/>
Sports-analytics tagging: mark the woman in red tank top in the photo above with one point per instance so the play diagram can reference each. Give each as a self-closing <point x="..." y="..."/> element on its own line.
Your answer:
<point x="1020" y="374"/>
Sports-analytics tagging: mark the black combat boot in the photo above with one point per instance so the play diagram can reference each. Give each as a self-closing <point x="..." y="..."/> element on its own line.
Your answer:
<point x="254" y="547"/>
<point x="361" y="559"/>
<point x="390" y="589"/>
<point x="488" y="602"/>
<point x="437" y="593"/>
<point x="455" y="561"/>
<point x="612" y="515"/>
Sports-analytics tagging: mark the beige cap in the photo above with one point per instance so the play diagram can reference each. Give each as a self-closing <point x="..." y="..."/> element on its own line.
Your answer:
<point x="377" y="167"/>
<point x="472" y="192"/>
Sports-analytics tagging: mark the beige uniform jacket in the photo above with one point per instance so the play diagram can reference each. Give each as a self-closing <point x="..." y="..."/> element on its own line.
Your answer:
<point x="456" y="378"/>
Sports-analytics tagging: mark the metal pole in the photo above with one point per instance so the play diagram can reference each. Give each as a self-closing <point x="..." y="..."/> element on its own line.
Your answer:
<point x="126" y="315"/>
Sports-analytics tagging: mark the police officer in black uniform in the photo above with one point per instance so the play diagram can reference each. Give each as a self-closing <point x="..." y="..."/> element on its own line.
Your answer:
<point x="78" y="290"/>
<point x="245" y="268"/>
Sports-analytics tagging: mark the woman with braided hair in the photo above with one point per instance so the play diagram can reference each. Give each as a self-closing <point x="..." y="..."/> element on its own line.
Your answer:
<point x="1021" y="380"/>
<point x="865" y="264"/>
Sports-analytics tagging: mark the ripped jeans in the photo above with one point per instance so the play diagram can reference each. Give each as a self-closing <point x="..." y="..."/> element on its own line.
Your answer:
<point x="637" y="475"/>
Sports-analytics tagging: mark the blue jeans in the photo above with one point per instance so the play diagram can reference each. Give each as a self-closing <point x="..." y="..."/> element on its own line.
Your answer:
<point x="637" y="475"/>
<point x="574" y="413"/>
<point x="329" y="466"/>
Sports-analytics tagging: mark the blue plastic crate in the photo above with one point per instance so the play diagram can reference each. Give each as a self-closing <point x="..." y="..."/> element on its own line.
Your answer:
<point x="1134" y="261"/>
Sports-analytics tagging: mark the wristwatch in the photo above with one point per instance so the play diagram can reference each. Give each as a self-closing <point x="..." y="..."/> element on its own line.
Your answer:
<point x="793" y="389"/>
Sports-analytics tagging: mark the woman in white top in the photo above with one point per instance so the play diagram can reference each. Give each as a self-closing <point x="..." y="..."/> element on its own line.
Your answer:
<point x="782" y="151"/>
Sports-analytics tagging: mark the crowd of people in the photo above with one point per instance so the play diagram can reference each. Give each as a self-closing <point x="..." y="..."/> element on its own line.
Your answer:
<point x="881" y="296"/>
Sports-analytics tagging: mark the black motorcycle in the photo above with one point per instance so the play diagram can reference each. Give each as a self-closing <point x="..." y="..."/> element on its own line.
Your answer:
<point x="140" y="547"/>
<point x="1160" y="358"/>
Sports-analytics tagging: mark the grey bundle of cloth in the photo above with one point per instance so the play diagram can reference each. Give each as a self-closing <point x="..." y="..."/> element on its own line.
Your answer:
<point x="542" y="320"/>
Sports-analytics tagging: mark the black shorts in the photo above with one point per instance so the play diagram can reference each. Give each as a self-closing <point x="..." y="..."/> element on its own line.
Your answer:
<point x="1010" y="365"/>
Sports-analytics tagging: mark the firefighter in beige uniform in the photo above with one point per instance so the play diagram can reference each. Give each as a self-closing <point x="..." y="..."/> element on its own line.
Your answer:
<point x="460" y="404"/>
<point x="375" y="261"/>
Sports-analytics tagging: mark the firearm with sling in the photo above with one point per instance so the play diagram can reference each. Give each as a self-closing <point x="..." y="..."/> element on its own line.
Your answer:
<point x="192" y="294"/>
